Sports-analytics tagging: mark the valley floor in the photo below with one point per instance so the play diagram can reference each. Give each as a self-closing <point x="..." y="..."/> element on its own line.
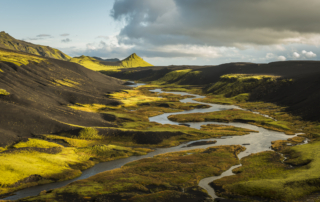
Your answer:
<point x="264" y="176"/>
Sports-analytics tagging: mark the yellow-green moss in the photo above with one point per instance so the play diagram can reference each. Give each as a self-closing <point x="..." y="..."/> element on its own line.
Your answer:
<point x="19" y="165"/>
<point x="89" y="134"/>
<point x="178" y="76"/>
<point x="36" y="143"/>
<point x="19" y="58"/>
<point x="160" y="174"/>
<point x="4" y="92"/>
<point x="11" y="43"/>
<point x="134" y="61"/>
<point x="233" y="115"/>
<point x="93" y="64"/>
<point x="264" y="175"/>
<point x="97" y="65"/>
<point x="133" y="97"/>
<point x="65" y="82"/>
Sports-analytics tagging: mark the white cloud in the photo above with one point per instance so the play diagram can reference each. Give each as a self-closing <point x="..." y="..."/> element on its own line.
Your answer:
<point x="309" y="54"/>
<point x="296" y="55"/>
<point x="270" y="55"/>
<point x="282" y="58"/>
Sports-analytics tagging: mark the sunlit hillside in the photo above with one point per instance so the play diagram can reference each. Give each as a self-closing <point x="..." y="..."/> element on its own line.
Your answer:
<point x="98" y="65"/>
<point x="8" y="42"/>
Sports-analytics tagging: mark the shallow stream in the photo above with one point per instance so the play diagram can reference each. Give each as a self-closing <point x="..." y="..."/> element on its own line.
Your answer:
<point x="254" y="142"/>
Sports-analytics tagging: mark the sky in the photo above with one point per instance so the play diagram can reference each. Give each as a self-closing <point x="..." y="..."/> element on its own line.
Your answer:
<point x="170" y="32"/>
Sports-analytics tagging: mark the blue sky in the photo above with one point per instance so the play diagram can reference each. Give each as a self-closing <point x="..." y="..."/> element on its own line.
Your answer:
<point x="179" y="32"/>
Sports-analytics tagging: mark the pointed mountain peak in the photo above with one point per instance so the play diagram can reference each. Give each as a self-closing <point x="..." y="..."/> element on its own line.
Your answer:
<point x="135" y="61"/>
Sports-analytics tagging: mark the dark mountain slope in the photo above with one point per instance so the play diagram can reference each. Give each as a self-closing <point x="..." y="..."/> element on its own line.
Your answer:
<point x="302" y="95"/>
<point x="38" y="95"/>
<point x="8" y="42"/>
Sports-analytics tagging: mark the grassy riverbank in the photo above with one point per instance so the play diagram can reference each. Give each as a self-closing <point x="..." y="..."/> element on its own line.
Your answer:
<point x="169" y="177"/>
<point x="47" y="161"/>
<point x="39" y="161"/>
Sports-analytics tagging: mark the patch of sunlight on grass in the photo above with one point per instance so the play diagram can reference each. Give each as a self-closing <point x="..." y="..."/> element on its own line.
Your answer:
<point x="65" y="82"/>
<point x="248" y="76"/>
<point x="264" y="175"/>
<point x="4" y="92"/>
<point x="36" y="143"/>
<point x="163" y="172"/>
<point x="16" y="166"/>
<point x="132" y="98"/>
<point x="19" y="58"/>
<point x="88" y="107"/>
<point x="89" y="134"/>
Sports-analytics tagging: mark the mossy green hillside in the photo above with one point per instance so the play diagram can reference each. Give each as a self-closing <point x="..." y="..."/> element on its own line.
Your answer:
<point x="151" y="179"/>
<point x="94" y="64"/>
<point x="134" y="61"/>
<point x="8" y="42"/>
<point x="97" y="65"/>
<point x="54" y="162"/>
<point x="231" y="85"/>
<point x="264" y="175"/>
<point x="178" y="77"/>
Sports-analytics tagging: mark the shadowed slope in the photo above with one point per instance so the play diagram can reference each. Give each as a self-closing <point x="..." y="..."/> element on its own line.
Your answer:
<point x="301" y="95"/>
<point x="8" y="42"/>
<point x="39" y="92"/>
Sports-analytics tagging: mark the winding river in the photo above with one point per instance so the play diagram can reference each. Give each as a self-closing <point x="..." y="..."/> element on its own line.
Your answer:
<point x="254" y="142"/>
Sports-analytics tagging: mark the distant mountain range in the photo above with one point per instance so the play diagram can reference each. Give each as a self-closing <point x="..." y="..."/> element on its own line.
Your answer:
<point x="106" y="65"/>
<point x="93" y="63"/>
<point x="8" y="42"/>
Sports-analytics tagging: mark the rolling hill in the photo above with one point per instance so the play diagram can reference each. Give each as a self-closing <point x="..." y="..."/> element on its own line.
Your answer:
<point x="36" y="92"/>
<point x="8" y="42"/>
<point x="301" y="95"/>
<point x="98" y="65"/>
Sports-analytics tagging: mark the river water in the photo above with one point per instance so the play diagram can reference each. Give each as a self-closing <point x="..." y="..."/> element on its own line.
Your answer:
<point x="255" y="142"/>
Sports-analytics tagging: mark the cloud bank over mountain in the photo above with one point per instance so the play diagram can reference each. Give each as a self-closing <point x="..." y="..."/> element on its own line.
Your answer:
<point x="219" y="28"/>
<point x="218" y="22"/>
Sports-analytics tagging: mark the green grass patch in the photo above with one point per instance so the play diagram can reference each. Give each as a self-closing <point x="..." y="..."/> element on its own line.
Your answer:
<point x="89" y="134"/>
<point x="233" y="115"/>
<point x="112" y="152"/>
<point x="4" y="92"/>
<point x="36" y="143"/>
<point x="232" y="85"/>
<point x="264" y="175"/>
<point x="22" y="164"/>
<point x="135" y="181"/>
<point x="64" y="164"/>
<point x="65" y="82"/>
<point x="177" y="77"/>
<point x="19" y="58"/>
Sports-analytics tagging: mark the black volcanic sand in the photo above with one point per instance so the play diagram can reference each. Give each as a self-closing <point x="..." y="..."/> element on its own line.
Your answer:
<point x="37" y="106"/>
<point x="302" y="96"/>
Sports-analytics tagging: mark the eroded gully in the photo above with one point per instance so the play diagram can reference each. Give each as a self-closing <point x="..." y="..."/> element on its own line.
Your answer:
<point x="254" y="142"/>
